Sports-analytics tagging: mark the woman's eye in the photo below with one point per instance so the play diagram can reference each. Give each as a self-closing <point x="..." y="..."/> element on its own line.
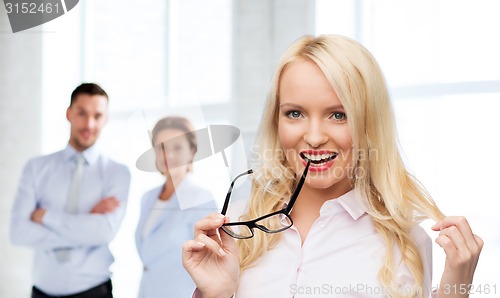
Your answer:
<point x="339" y="116"/>
<point x="293" y="114"/>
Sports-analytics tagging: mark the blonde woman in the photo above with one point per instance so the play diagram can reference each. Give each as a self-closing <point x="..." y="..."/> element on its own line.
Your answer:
<point x="353" y="230"/>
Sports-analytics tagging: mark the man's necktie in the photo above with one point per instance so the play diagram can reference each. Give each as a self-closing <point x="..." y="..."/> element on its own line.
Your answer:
<point x="74" y="189"/>
<point x="62" y="254"/>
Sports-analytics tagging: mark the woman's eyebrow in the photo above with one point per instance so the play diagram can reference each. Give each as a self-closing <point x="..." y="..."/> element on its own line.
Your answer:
<point x="292" y="105"/>
<point x="336" y="107"/>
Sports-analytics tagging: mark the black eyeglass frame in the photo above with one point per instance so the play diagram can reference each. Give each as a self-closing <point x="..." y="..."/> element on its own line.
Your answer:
<point x="251" y="224"/>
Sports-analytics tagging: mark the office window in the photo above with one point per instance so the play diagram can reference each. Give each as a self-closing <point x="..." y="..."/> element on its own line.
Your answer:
<point x="199" y="51"/>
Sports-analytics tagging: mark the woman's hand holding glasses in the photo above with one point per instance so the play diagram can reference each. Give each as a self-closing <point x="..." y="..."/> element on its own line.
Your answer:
<point x="212" y="258"/>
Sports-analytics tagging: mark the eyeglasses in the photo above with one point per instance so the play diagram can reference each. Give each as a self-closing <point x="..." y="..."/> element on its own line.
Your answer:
<point x="274" y="222"/>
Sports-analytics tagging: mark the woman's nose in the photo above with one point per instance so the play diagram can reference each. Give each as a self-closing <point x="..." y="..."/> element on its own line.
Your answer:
<point x="315" y="136"/>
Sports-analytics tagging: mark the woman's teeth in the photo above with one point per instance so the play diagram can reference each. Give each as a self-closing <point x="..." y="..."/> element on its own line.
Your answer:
<point x="319" y="158"/>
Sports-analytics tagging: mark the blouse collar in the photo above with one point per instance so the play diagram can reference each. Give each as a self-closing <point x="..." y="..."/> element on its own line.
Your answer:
<point x="347" y="202"/>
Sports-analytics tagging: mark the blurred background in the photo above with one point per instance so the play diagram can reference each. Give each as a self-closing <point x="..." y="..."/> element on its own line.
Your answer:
<point x="154" y="57"/>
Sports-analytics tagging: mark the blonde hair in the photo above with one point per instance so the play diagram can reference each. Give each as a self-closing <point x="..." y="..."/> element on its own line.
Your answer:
<point x="395" y="200"/>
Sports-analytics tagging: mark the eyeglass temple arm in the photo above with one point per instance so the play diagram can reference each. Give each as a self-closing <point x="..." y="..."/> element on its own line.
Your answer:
<point x="297" y="190"/>
<point x="226" y="202"/>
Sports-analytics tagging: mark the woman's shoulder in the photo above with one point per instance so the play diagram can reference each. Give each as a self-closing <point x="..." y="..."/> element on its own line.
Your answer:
<point x="423" y="242"/>
<point x="424" y="245"/>
<point x="192" y="185"/>
<point x="192" y="194"/>
<point x="420" y="236"/>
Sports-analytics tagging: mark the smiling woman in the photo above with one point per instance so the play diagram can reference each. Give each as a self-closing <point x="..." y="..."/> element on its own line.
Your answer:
<point x="328" y="102"/>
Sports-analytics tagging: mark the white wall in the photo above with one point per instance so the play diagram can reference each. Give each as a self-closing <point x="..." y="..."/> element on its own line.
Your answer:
<point x="20" y="118"/>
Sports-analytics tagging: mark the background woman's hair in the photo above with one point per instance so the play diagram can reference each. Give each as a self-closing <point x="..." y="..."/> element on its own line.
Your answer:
<point x="179" y="123"/>
<point x="394" y="199"/>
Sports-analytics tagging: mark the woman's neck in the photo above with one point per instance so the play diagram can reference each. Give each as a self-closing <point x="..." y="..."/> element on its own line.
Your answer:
<point x="170" y="185"/>
<point x="311" y="199"/>
<point x="306" y="209"/>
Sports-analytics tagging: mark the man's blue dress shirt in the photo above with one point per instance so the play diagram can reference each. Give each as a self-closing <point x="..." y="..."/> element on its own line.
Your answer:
<point x="45" y="183"/>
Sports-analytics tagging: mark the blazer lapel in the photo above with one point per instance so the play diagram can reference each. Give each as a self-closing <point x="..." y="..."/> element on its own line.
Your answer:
<point x="145" y="209"/>
<point x="173" y="202"/>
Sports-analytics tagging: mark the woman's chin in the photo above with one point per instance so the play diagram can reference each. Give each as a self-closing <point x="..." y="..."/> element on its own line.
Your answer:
<point x="324" y="182"/>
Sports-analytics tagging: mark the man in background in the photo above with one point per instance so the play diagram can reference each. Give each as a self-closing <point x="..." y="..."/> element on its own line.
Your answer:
<point x="69" y="205"/>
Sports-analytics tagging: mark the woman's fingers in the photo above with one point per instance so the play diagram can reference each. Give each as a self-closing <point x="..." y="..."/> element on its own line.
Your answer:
<point x="453" y="242"/>
<point x="211" y="245"/>
<point x="462" y="225"/>
<point x="189" y="248"/>
<point x="192" y="246"/>
<point x="461" y="246"/>
<point x="208" y="237"/>
<point x="479" y="241"/>
<point x="200" y="244"/>
<point x="462" y="250"/>
<point x="211" y="259"/>
<point x="228" y="242"/>
<point x="209" y="225"/>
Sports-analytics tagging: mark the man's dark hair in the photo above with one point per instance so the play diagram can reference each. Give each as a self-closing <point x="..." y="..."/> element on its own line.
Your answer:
<point x="87" y="88"/>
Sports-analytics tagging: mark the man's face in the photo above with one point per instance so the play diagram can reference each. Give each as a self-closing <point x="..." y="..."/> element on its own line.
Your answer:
<point x="87" y="116"/>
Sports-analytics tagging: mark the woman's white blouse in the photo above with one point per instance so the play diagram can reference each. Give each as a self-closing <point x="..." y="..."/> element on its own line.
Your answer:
<point x="340" y="257"/>
<point x="154" y="216"/>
